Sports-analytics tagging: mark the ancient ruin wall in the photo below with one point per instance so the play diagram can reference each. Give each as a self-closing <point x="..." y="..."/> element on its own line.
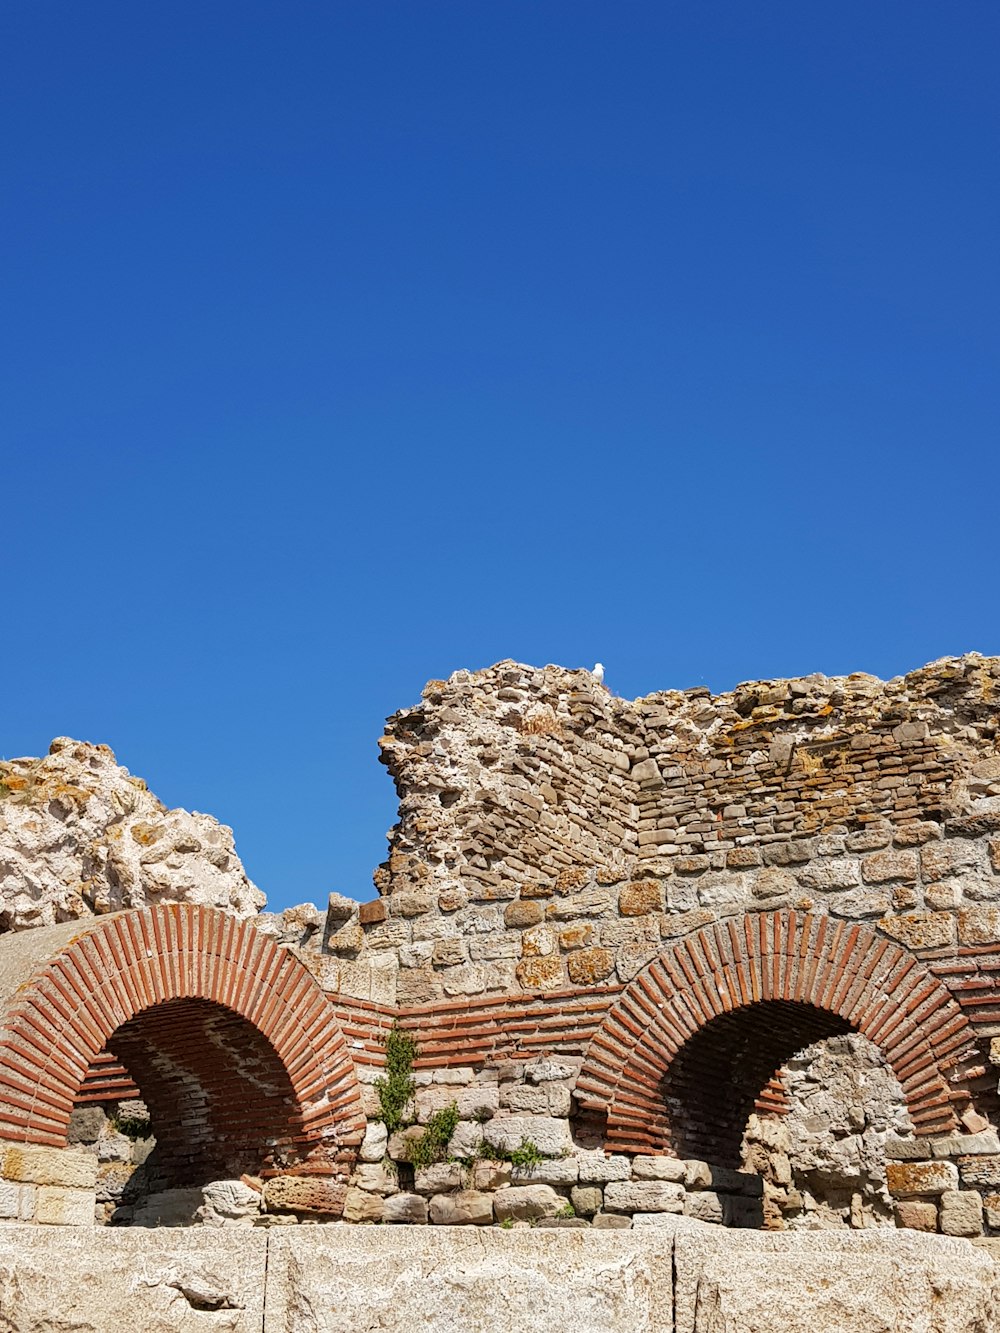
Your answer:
<point x="551" y="834"/>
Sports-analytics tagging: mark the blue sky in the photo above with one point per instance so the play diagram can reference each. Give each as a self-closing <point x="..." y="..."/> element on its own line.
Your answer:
<point x="348" y="344"/>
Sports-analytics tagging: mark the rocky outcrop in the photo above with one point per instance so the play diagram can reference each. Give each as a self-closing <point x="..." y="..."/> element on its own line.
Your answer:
<point x="79" y="836"/>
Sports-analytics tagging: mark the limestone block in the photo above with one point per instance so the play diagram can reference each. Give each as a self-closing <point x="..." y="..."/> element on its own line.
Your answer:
<point x="909" y="1178"/>
<point x="611" y="1222"/>
<point x="586" y="1199"/>
<point x="991" y="1210"/>
<point x="95" y="1279"/>
<point x="410" y="1208"/>
<point x="466" y="1280"/>
<point x="940" y="859"/>
<point x="531" y="1101"/>
<point x="168" y="1208"/>
<point x="34" y="1165"/>
<point x="881" y="1281"/>
<point x="985" y="1143"/>
<point x="641" y="897"/>
<point x="304" y="1194"/>
<point x="360" y="1206"/>
<point x="595" y="1168"/>
<point x="979" y="925"/>
<point x="463" y="1208"/>
<point x="374" y="1146"/>
<point x="549" y="1135"/>
<point x="438" y="1177"/>
<point x="547" y="1070"/>
<point x="921" y="930"/>
<point x="658" y="1168"/>
<point x="552" y="1171"/>
<point x="85" y="1124"/>
<point x="467" y="1139"/>
<point x="705" y="1205"/>
<point x="961" y="1213"/>
<point x="916" y="1215"/>
<point x="17" y="1202"/>
<point x="524" y="1202"/>
<point x="983" y="1172"/>
<point x="56" y="1205"/>
<point x="882" y="867"/>
<point x="228" y="1202"/>
<point x="643" y="1196"/>
<point x="375" y="1178"/>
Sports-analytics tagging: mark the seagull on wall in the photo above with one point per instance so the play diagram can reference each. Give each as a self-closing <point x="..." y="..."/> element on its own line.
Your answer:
<point x="598" y="672"/>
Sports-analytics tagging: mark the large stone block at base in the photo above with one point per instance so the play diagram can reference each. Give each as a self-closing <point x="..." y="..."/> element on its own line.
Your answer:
<point x="96" y="1280"/>
<point x="464" y="1280"/>
<point x="881" y="1281"/>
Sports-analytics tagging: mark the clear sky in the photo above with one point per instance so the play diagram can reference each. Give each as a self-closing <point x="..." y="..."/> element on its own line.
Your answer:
<point x="348" y="343"/>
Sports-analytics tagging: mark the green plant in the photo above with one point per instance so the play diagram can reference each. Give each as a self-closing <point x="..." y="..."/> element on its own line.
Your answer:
<point x="395" y="1090"/>
<point x="507" y="1224"/>
<point x="526" y="1155"/>
<point x="431" y="1145"/>
<point x="132" y="1126"/>
<point x="567" y="1210"/>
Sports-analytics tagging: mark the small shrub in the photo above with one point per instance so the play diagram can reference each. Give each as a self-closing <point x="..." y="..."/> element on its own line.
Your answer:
<point x="507" y="1224"/>
<point x="567" y="1210"/>
<point x="432" y="1144"/>
<point x="526" y="1155"/>
<point x="395" y="1090"/>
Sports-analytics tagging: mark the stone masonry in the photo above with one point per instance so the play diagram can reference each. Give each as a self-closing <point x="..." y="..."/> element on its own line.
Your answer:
<point x="729" y="957"/>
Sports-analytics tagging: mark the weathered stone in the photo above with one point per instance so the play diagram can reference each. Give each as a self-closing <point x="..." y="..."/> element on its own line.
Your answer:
<point x="586" y="1199"/>
<point x="921" y="930"/>
<point x="658" y="1168"/>
<point x="550" y="1136"/>
<point x="375" y="1143"/>
<point x="883" y="867"/>
<point x="961" y="1213"/>
<point x="463" y="1281"/>
<point x="647" y="1196"/>
<point x="93" y="1279"/>
<point x="587" y="966"/>
<point x="83" y="837"/>
<point x="524" y="1202"/>
<point x="463" y="1208"/>
<point x="596" y="1168"/>
<point x="916" y="1215"/>
<point x="914" y="1178"/>
<point x="31" y="1164"/>
<point x="360" y="1206"/>
<point x="640" y="898"/>
<point x="410" y="1208"/>
<point x="305" y="1194"/>
<point x="705" y="1205"/>
<point x="522" y="913"/>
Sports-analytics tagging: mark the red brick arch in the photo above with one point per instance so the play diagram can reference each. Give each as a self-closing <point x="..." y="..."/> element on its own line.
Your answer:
<point x="166" y="979"/>
<point x="759" y="988"/>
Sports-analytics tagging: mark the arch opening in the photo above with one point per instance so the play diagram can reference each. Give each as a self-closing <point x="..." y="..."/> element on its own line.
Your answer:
<point x="220" y="1100"/>
<point x="729" y="1068"/>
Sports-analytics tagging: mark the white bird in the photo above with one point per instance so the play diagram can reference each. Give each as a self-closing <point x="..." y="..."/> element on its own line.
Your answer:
<point x="598" y="672"/>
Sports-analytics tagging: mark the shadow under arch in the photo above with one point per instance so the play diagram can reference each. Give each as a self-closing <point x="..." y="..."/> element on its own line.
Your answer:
<point x="659" y="1066"/>
<point x="228" y="1037"/>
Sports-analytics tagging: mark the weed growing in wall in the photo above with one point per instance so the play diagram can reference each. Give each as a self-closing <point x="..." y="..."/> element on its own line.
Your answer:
<point x="395" y="1090"/>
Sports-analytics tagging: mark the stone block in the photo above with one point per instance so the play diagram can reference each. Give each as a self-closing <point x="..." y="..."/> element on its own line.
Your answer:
<point x="463" y="1281"/>
<point x="438" y="1177"/>
<point x="375" y="1144"/>
<point x="586" y="1199"/>
<point x="921" y="930"/>
<point x="643" y="1196"/>
<point x="523" y="913"/>
<point x="979" y="925"/>
<point x="658" y="1168"/>
<point x="889" y="866"/>
<point x="983" y="1144"/>
<point x="641" y="897"/>
<point x="961" y="1213"/>
<point x="982" y="1172"/>
<point x="525" y="1202"/>
<point x="411" y="1208"/>
<point x="597" y="1168"/>
<point x="17" y="1202"/>
<point x="96" y="1279"/>
<point x="305" y="1194"/>
<point x="906" y="1179"/>
<point x="705" y="1205"/>
<point x="30" y="1164"/>
<point x="586" y="967"/>
<point x="938" y="860"/>
<point x="916" y="1215"/>
<point x="549" y="1135"/>
<point x="375" y="1178"/>
<point x="85" y="1124"/>
<point x="361" y="1206"/>
<point x="57" y="1205"/>
<point x="463" y="1208"/>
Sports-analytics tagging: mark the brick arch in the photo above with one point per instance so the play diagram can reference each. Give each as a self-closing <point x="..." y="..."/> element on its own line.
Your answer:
<point x="796" y="975"/>
<point x="192" y="974"/>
